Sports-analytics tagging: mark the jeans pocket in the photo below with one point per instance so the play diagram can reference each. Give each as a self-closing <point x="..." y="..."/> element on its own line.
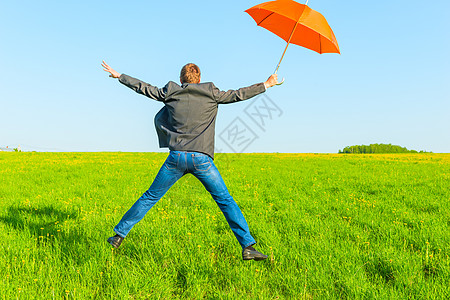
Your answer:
<point x="171" y="162"/>
<point x="202" y="163"/>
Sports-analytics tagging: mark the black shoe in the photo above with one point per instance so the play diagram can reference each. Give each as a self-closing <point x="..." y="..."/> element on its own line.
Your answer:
<point x="115" y="241"/>
<point x="250" y="253"/>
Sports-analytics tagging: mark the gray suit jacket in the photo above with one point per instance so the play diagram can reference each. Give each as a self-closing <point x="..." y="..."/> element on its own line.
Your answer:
<point x="187" y="120"/>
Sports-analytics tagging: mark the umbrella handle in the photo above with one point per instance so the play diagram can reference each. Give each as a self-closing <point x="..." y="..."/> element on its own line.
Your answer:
<point x="276" y="70"/>
<point x="280" y="83"/>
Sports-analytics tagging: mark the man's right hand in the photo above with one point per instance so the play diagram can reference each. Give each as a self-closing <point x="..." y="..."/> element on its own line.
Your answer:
<point x="273" y="80"/>
<point x="110" y="70"/>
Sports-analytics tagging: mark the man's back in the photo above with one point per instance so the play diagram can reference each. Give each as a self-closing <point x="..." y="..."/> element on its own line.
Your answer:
<point x="187" y="120"/>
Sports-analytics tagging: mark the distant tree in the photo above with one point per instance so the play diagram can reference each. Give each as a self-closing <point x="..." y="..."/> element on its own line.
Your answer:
<point x="377" y="148"/>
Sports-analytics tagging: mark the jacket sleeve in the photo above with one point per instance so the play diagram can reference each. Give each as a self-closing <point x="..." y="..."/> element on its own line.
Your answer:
<point x="144" y="88"/>
<point x="241" y="94"/>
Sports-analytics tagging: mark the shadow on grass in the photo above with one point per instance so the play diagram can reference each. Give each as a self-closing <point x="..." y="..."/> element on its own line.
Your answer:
<point x="46" y="225"/>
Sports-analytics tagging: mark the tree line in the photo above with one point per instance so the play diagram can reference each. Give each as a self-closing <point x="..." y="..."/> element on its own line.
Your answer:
<point x="378" y="148"/>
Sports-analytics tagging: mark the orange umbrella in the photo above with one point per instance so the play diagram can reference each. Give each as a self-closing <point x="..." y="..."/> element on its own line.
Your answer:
<point x="297" y="24"/>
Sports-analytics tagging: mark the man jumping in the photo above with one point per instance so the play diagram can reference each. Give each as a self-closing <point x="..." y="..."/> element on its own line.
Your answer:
<point x="186" y="125"/>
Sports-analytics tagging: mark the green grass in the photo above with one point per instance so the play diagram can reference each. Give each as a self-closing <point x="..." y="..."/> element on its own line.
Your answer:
<point x="334" y="226"/>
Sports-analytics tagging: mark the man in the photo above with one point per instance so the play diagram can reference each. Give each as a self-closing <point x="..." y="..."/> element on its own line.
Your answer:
<point x="186" y="126"/>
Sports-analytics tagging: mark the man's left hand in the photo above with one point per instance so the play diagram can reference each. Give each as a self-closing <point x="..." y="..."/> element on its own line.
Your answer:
<point x="110" y="70"/>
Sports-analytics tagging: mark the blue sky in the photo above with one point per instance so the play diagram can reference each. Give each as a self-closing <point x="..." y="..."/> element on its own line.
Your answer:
<point x="389" y="85"/>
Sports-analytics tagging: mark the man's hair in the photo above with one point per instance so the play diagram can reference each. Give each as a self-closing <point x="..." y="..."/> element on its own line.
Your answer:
<point x="190" y="73"/>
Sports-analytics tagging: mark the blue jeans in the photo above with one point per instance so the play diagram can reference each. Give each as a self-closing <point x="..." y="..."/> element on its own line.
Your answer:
<point x="177" y="164"/>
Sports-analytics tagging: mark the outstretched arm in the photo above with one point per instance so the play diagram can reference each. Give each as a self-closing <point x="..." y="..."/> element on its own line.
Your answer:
<point x="110" y="70"/>
<point x="241" y="94"/>
<point x="136" y="85"/>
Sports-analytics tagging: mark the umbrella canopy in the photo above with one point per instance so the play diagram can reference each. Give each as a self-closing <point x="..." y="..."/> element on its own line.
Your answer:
<point x="297" y="24"/>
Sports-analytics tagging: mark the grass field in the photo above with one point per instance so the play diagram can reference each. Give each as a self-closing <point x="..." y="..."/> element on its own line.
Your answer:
<point x="334" y="226"/>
